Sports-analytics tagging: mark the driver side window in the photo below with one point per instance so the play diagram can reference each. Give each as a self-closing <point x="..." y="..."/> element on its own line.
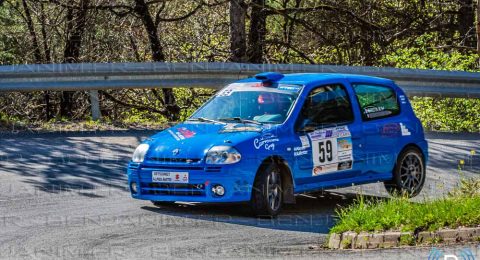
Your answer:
<point x="325" y="105"/>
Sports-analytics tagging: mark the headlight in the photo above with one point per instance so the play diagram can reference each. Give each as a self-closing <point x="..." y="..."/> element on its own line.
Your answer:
<point x="139" y="154"/>
<point x="223" y="155"/>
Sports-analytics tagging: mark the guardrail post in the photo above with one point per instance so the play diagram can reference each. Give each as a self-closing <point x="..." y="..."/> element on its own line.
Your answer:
<point x="95" y="105"/>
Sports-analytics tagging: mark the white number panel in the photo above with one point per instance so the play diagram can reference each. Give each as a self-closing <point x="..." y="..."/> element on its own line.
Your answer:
<point x="332" y="150"/>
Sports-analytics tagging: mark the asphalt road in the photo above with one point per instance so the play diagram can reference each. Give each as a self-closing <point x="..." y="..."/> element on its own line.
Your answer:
<point x="64" y="195"/>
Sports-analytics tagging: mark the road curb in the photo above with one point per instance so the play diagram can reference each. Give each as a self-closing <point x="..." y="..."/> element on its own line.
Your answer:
<point x="364" y="240"/>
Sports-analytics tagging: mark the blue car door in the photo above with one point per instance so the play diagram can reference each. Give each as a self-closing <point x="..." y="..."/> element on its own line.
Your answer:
<point x="329" y="138"/>
<point x="382" y="126"/>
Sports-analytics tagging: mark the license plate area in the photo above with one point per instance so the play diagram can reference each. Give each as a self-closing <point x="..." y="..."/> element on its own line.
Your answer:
<point x="169" y="177"/>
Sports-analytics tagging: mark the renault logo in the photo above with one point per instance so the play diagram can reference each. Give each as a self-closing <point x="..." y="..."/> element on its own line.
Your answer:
<point x="176" y="151"/>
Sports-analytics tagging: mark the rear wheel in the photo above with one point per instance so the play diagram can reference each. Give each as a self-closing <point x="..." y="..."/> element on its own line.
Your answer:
<point x="409" y="174"/>
<point x="267" y="195"/>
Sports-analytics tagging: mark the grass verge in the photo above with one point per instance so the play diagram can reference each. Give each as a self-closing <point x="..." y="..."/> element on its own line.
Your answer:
<point x="459" y="208"/>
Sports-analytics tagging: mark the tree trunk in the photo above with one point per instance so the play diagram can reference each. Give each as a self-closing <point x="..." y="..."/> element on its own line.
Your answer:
<point x="43" y="24"/>
<point x="256" y="35"/>
<point x="47" y="59"/>
<point x="33" y="35"/>
<point x="76" y="22"/>
<point x="238" y="41"/>
<point x="141" y="9"/>
<point x="466" y="20"/>
<point x="36" y="48"/>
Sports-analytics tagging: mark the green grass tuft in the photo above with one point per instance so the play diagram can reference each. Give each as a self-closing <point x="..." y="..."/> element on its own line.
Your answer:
<point x="459" y="208"/>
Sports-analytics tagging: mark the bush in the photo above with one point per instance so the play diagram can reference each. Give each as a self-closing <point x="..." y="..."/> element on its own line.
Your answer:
<point x="439" y="114"/>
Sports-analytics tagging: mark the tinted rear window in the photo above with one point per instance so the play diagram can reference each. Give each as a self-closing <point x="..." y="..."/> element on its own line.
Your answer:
<point x="376" y="101"/>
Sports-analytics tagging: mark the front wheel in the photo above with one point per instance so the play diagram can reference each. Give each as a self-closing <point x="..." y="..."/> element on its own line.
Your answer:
<point x="267" y="196"/>
<point x="409" y="174"/>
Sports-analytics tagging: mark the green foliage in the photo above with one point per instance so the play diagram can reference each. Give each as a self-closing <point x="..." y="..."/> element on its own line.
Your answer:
<point x="423" y="54"/>
<point x="439" y="114"/>
<point x="448" y="114"/>
<point x="10" y="25"/>
<point x="460" y="208"/>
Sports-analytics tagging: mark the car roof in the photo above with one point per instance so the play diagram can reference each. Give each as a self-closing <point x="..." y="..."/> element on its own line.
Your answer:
<point x="307" y="78"/>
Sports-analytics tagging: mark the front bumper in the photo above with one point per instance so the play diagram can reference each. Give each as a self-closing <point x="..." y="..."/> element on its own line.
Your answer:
<point x="237" y="179"/>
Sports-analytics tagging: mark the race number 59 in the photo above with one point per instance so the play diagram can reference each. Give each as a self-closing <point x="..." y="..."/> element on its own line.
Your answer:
<point x="324" y="151"/>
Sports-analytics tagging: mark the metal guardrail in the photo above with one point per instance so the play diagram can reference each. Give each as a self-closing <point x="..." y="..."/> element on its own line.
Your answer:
<point x="100" y="76"/>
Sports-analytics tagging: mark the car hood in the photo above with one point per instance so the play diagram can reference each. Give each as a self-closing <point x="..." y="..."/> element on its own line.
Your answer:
<point x="193" y="140"/>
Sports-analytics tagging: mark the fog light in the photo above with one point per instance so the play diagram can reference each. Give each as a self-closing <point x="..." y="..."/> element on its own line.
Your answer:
<point x="218" y="190"/>
<point x="133" y="187"/>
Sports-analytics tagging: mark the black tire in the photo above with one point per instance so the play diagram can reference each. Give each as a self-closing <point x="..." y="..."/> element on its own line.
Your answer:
<point x="267" y="197"/>
<point x="163" y="203"/>
<point x="408" y="175"/>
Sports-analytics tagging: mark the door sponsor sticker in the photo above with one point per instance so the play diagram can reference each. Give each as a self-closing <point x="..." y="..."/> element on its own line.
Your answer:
<point x="404" y="129"/>
<point x="266" y="141"/>
<point x="305" y="142"/>
<point x="304" y="149"/>
<point x="332" y="150"/>
<point x="170" y="177"/>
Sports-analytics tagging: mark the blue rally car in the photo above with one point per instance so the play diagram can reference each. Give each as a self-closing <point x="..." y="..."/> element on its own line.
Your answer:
<point x="267" y="138"/>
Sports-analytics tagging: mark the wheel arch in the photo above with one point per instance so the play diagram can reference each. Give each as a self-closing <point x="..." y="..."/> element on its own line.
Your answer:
<point x="405" y="147"/>
<point x="288" y="185"/>
<point x="412" y="145"/>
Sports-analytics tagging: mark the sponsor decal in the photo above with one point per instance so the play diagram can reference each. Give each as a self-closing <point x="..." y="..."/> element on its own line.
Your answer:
<point x="378" y="114"/>
<point x="391" y="130"/>
<point x="321" y="169"/>
<point x="266" y="141"/>
<point x="344" y="165"/>
<point x="340" y="131"/>
<point x="173" y="135"/>
<point x="298" y="151"/>
<point x="305" y="142"/>
<point x="182" y="133"/>
<point x="403" y="100"/>
<point x="185" y="132"/>
<point x="226" y="92"/>
<point x="304" y="149"/>
<point x="332" y="150"/>
<point x="294" y="88"/>
<point x="404" y="130"/>
<point x="369" y="110"/>
<point x="344" y="144"/>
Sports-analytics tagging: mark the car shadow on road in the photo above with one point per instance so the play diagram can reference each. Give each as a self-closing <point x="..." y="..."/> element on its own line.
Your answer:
<point x="312" y="213"/>
<point x="91" y="164"/>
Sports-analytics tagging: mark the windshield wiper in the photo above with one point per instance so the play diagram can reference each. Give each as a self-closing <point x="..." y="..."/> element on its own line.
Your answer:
<point x="238" y="119"/>
<point x="203" y="119"/>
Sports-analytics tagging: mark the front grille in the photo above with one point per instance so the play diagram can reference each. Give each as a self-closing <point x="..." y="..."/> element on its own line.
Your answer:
<point x="213" y="169"/>
<point x="173" y="189"/>
<point x="175" y="160"/>
<point x="172" y="167"/>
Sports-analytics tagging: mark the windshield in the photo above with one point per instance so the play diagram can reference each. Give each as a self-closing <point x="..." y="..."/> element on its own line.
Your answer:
<point x="249" y="104"/>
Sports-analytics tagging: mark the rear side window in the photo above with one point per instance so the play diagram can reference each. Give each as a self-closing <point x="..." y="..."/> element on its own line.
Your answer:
<point x="376" y="101"/>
